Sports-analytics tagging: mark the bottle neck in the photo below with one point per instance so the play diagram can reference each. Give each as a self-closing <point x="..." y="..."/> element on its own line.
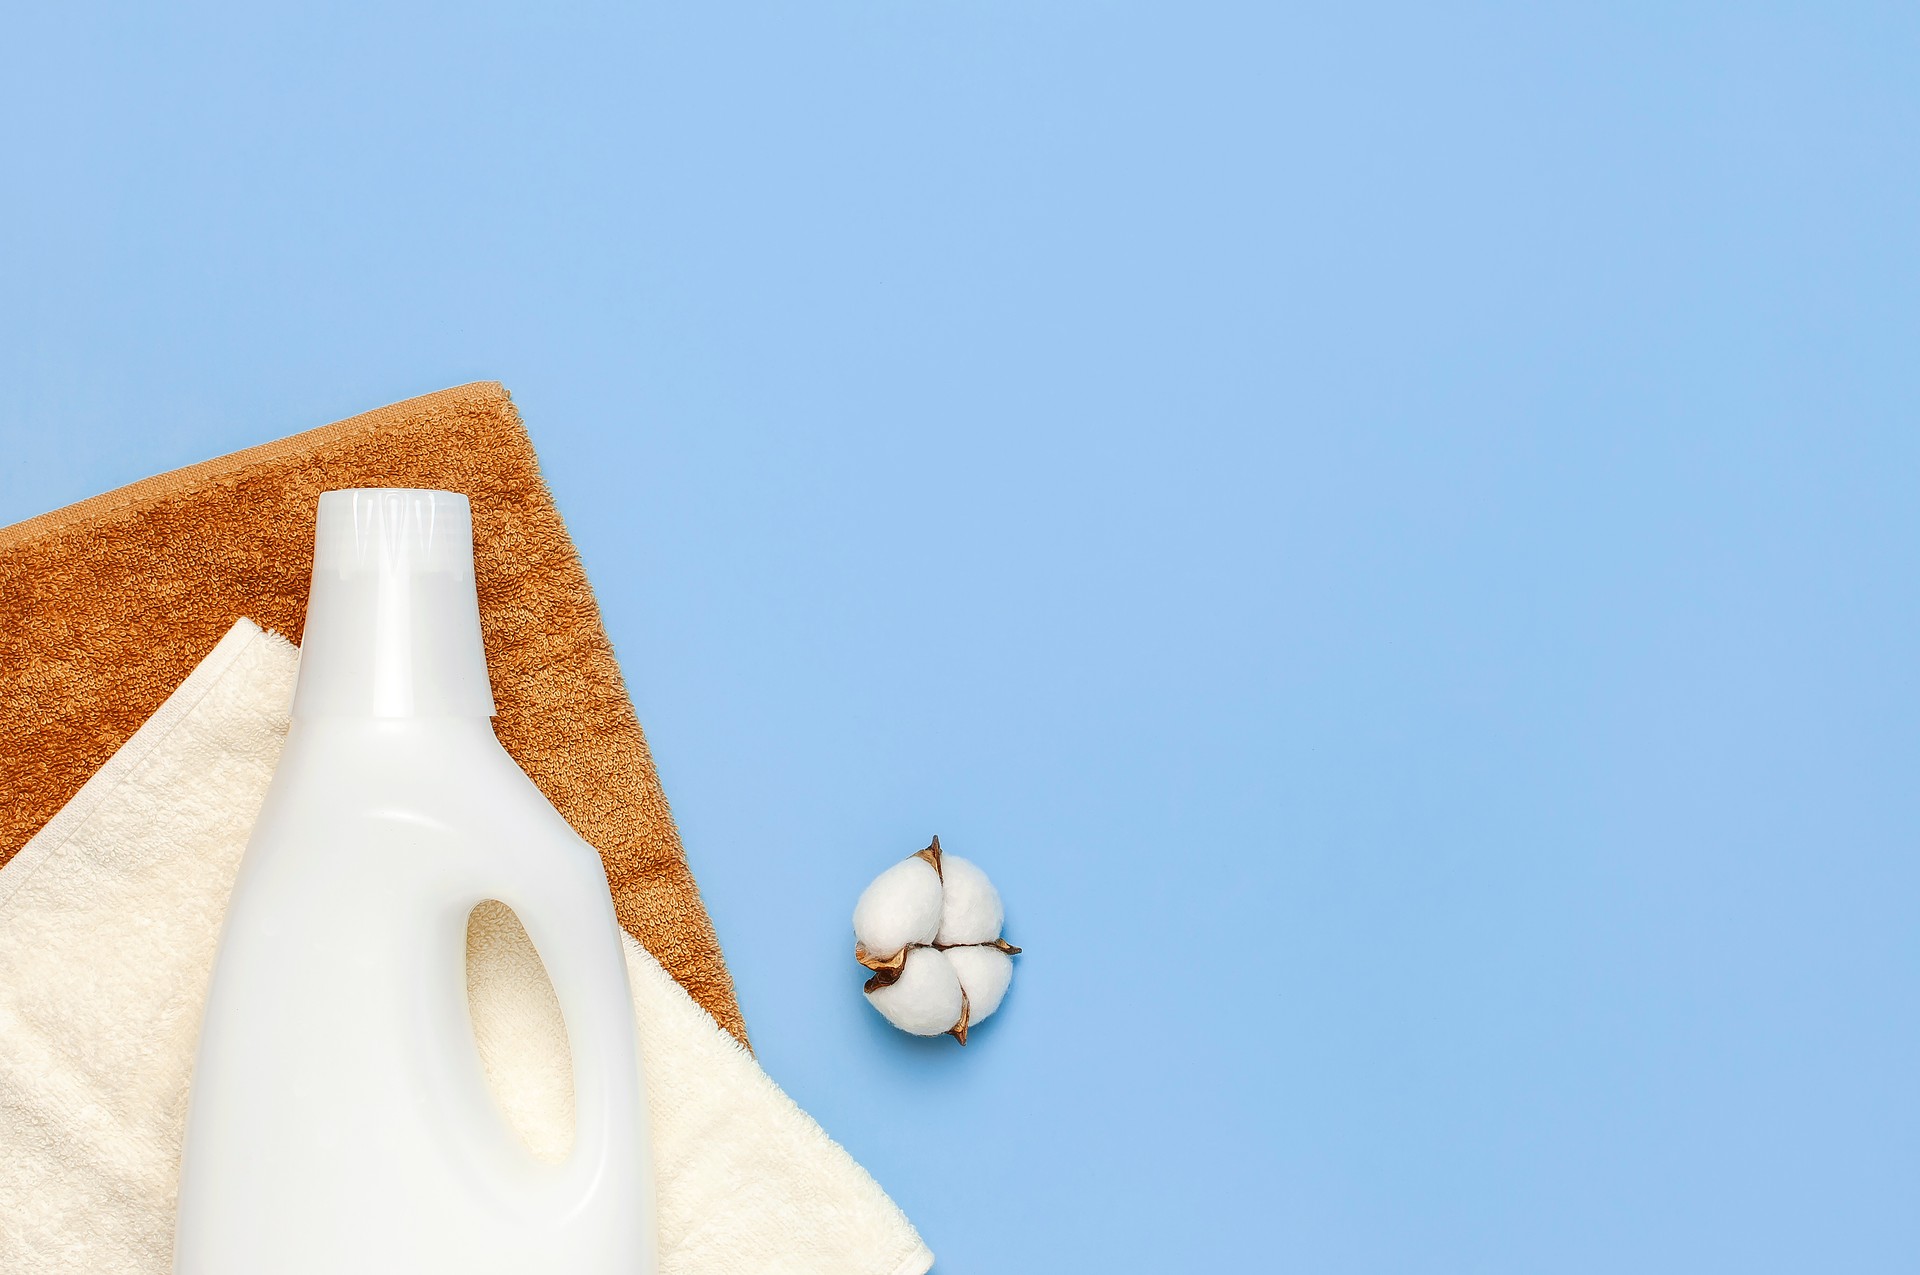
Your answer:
<point x="393" y="621"/>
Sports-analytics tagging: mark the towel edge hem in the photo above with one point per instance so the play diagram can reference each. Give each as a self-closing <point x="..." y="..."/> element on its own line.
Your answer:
<point x="44" y="844"/>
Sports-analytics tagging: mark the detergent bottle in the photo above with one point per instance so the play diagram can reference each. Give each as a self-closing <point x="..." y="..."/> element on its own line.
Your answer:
<point x="340" y="1120"/>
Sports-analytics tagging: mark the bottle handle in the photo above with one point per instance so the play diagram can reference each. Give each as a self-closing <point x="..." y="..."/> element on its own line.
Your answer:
<point x="588" y="972"/>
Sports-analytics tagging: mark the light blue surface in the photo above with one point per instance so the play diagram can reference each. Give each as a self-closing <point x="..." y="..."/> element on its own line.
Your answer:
<point x="1393" y="537"/>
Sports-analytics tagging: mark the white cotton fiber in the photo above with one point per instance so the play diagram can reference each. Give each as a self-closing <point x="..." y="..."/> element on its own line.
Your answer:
<point x="984" y="973"/>
<point x="925" y="999"/>
<point x="901" y="907"/>
<point x="970" y="909"/>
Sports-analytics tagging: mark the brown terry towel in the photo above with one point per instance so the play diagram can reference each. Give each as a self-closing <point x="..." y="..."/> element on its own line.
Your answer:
<point x="108" y="605"/>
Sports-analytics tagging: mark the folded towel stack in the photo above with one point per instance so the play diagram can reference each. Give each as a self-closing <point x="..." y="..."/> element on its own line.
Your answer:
<point x="107" y="605"/>
<point x="110" y="914"/>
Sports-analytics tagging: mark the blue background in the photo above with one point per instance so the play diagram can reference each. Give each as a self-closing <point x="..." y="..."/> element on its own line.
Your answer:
<point x="1391" y="534"/>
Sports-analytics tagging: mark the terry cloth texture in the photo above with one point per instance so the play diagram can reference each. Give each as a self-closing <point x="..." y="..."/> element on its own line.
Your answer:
<point x="109" y="918"/>
<point x="105" y="607"/>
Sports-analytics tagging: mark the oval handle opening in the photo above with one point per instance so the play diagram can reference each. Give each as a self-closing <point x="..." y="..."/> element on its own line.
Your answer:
<point x="520" y="1032"/>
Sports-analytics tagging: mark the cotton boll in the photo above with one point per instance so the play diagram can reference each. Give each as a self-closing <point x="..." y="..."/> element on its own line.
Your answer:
<point x="971" y="911"/>
<point x="984" y="973"/>
<point x="929" y="930"/>
<point x="925" y="999"/>
<point x="901" y="907"/>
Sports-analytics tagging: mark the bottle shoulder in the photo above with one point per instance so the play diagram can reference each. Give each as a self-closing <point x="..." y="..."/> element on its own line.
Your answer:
<point x="451" y="772"/>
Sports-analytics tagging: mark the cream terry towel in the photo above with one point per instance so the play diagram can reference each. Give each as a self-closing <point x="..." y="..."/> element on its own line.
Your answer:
<point x="108" y="922"/>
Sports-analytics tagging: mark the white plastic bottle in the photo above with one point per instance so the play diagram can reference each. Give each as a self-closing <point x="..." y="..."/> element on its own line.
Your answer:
<point x="340" y="1121"/>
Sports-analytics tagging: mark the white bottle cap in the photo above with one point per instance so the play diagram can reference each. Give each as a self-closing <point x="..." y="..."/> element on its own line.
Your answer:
<point x="393" y="623"/>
